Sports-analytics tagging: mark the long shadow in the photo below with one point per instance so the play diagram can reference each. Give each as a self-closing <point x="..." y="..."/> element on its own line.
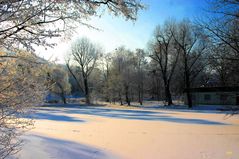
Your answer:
<point x="132" y="115"/>
<point x="51" y="116"/>
<point x="56" y="148"/>
<point x="212" y="109"/>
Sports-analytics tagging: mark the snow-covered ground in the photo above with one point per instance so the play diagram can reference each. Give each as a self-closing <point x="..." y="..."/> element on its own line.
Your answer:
<point x="110" y="132"/>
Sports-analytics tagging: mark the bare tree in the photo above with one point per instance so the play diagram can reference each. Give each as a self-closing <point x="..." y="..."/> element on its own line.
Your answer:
<point x="116" y="78"/>
<point x="85" y="54"/>
<point x="121" y="75"/>
<point x="227" y="8"/>
<point x="105" y="64"/>
<point x="140" y="63"/>
<point x="222" y="25"/>
<point x="124" y="67"/>
<point x="166" y="55"/>
<point x="223" y="28"/>
<point x="192" y="45"/>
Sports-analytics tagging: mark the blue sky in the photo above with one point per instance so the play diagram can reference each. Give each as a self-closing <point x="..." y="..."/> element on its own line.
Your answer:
<point x="115" y="31"/>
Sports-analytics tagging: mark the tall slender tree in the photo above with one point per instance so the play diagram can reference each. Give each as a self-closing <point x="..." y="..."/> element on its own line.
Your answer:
<point x="191" y="42"/>
<point x="140" y="62"/>
<point x="166" y="55"/>
<point x="84" y="54"/>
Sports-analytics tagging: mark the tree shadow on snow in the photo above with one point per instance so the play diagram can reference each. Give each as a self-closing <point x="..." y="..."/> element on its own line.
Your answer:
<point x="130" y="114"/>
<point x="40" y="146"/>
<point x="48" y="115"/>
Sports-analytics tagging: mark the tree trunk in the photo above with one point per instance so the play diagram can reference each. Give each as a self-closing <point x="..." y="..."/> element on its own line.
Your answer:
<point x="87" y="96"/>
<point x="127" y="95"/>
<point x="121" y="102"/>
<point x="62" y="94"/>
<point x="189" y="97"/>
<point x="140" y="99"/>
<point x="140" y="95"/>
<point x="168" y="95"/>
<point x="63" y="99"/>
<point x="158" y="89"/>
<point x="167" y="92"/>
<point x="187" y="82"/>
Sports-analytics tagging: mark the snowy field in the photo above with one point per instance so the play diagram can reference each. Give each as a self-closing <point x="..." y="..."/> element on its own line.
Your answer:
<point x="115" y="133"/>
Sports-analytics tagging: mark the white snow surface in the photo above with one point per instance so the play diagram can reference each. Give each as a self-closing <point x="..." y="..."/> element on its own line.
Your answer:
<point x="87" y="132"/>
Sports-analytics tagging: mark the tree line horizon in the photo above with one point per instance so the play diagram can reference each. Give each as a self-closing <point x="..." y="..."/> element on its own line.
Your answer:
<point x="180" y="55"/>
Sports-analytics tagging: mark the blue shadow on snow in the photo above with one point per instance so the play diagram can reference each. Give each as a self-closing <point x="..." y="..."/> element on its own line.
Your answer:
<point x="126" y="114"/>
<point x="51" y="116"/>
